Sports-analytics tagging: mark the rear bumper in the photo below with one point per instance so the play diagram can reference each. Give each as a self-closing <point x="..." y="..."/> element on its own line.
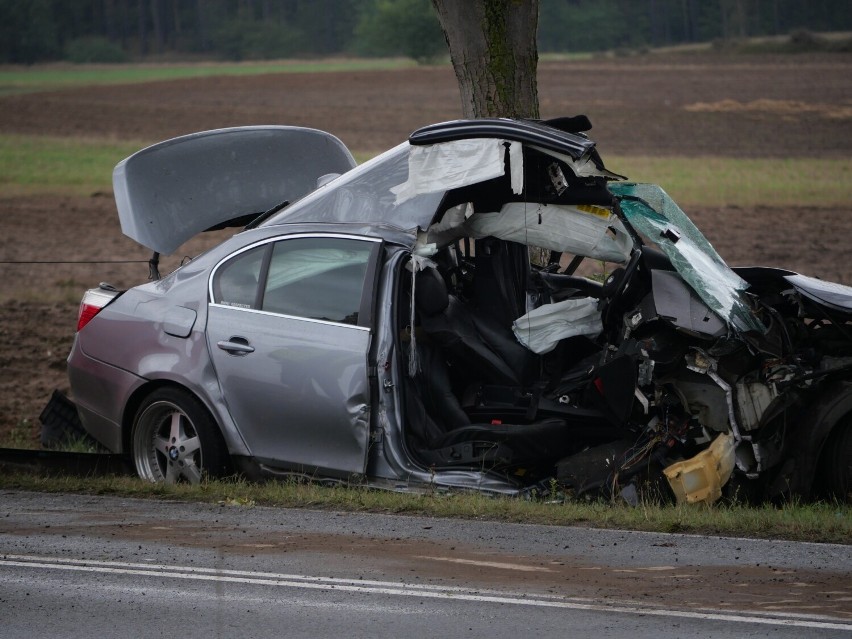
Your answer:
<point x="101" y="393"/>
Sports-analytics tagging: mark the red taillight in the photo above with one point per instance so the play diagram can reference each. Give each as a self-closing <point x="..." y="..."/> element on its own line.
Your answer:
<point x="87" y="312"/>
<point x="93" y="301"/>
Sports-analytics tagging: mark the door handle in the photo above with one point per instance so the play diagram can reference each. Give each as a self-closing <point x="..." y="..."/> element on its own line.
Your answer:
<point x="236" y="346"/>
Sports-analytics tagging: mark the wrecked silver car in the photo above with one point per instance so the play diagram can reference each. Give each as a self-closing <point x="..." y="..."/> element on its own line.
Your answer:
<point x="389" y="326"/>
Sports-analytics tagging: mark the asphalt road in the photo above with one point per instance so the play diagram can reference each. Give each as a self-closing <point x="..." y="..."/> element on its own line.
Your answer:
<point x="75" y="566"/>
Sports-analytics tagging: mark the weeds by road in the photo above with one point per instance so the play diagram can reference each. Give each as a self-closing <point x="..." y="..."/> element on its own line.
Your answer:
<point x="820" y="522"/>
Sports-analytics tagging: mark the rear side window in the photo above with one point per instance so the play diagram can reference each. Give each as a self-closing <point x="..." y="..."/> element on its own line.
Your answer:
<point x="236" y="282"/>
<point x="318" y="278"/>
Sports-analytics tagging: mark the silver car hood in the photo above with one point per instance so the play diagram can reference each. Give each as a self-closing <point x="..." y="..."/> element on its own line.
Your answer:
<point x="171" y="191"/>
<point x="833" y="295"/>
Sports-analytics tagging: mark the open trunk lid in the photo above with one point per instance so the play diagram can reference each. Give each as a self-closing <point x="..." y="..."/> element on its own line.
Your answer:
<point x="171" y="191"/>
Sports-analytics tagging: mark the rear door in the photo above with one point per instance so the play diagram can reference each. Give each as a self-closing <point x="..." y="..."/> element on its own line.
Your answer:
<point x="289" y="332"/>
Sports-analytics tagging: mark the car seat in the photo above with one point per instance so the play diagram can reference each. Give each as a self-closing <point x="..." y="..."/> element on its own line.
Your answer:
<point x="473" y="342"/>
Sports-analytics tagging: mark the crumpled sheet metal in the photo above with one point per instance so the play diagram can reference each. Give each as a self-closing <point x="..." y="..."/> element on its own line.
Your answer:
<point x="700" y="479"/>
<point x="653" y="213"/>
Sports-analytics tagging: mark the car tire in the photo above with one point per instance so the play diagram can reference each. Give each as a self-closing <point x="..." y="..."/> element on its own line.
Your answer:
<point x="816" y="463"/>
<point x="835" y="468"/>
<point x="174" y="439"/>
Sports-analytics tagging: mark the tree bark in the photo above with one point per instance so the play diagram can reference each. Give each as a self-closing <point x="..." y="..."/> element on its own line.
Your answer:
<point x="201" y="21"/>
<point x="142" y="24"/>
<point x="157" y="23"/>
<point x="494" y="53"/>
<point x="110" y="20"/>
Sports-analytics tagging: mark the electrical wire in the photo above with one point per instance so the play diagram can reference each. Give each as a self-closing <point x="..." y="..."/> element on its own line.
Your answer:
<point x="13" y="262"/>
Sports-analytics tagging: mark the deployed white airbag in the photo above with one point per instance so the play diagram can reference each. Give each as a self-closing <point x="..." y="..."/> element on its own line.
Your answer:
<point x="590" y="231"/>
<point x="542" y="328"/>
<point x="449" y="165"/>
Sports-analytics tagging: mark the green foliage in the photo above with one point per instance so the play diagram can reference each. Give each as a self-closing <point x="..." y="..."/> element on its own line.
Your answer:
<point x="244" y="40"/>
<point x="587" y="26"/>
<point x="20" y="436"/>
<point x="36" y="30"/>
<point x="94" y="49"/>
<point x="400" y="27"/>
<point x="28" y="31"/>
<point x="328" y="24"/>
<point x="622" y="25"/>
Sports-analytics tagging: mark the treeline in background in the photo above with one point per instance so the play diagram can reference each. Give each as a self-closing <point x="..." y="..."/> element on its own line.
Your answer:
<point x="161" y="30"/>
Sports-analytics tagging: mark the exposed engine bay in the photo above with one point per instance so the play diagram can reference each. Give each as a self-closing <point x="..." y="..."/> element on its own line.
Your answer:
<point x="659" y="362"/>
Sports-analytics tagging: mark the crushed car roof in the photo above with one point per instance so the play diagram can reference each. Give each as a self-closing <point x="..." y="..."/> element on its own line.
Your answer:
<point x="405" y="186"/>
<point x="526" y="131"/>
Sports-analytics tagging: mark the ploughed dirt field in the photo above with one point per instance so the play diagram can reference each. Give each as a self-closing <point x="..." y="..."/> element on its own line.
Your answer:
<point x="796" y="107"/>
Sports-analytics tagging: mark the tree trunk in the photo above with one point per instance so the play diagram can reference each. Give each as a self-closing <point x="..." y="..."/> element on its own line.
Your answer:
<point x="110" y="21"/>
<point x="124" y="23"/>
<point x="733" y="19"/>
<point x="493" y="48"/>
<point x="157" y="23"/>
<point x="201" y="21"/>
<point x="143" y="32"/>
<point x="176" y="22"/>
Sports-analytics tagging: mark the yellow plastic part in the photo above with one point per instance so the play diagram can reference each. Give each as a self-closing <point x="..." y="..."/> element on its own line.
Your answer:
<point x="700" y="479"/>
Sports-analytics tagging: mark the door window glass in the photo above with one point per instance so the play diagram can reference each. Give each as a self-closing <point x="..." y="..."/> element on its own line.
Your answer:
<point x="318" y="278"/>
<point x="236" y="281"/>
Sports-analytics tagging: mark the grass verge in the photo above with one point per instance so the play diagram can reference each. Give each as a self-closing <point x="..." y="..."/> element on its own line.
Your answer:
<point x="722" y="181"/>
<point x="30" y="165"/>
<point x="76" y="166"/>
<point x="20" y="436"/>
<point x="821" y="522"/>
<point x="68" y="76"/>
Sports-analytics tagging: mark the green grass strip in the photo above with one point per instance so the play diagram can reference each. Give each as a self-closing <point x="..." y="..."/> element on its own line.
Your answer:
<point x="721" y="181"/>
<point x="820" y="522"/>
<point x="51" y="77"/>
<point x="31" y="165"/>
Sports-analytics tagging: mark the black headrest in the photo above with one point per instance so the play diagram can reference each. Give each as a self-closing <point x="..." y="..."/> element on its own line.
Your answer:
<point x="430" y="292"/>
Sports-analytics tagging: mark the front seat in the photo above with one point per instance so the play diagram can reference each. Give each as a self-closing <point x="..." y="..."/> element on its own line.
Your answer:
<point x="474" y="343"/>
<point x="442" y="435"/>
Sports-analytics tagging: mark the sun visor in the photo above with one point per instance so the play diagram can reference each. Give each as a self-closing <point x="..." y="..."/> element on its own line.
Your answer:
<point x="171" y="191"/>
<point x="590" y="231"/>
<point x="450" y="165"/>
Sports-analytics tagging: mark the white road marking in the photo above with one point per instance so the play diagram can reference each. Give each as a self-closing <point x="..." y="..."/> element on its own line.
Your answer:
<point x="410" y="590"/>
<point x="487" y="564"/>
